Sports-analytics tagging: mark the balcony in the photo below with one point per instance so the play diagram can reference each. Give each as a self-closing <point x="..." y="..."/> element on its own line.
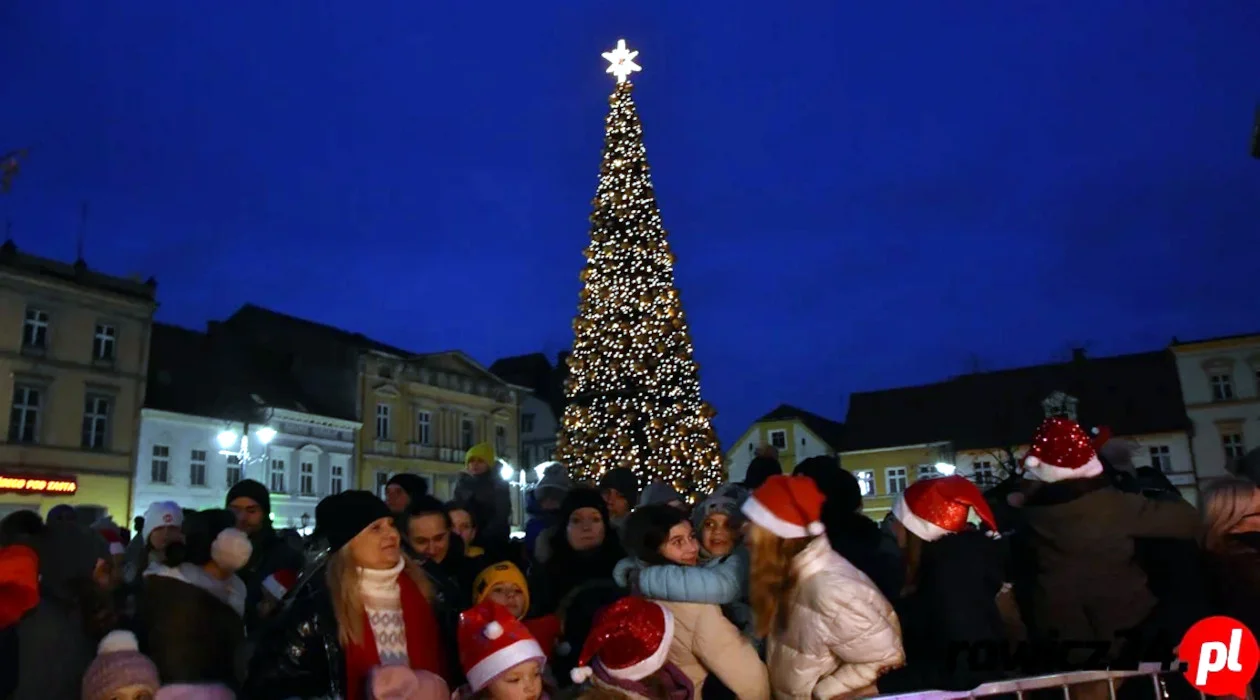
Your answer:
<point x="384" y="447"/>
<point x="422" y="451"/>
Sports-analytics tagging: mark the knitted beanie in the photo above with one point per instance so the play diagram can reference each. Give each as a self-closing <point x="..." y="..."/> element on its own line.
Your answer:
<point x="118" y="664"/>
<point x="195" y="691"/>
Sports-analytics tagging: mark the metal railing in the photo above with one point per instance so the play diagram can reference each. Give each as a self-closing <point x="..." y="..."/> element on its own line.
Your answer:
<point x="1065" y="681"/>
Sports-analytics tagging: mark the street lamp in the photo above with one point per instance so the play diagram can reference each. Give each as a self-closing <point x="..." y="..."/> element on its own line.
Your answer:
<point x="506" y="471"/>
<point x="234" y="445"/>
<point x="945" y="468"/>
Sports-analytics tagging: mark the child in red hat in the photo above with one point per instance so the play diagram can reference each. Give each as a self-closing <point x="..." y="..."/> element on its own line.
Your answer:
<point x="500" y="659"/>
<point x="625" y="656"/>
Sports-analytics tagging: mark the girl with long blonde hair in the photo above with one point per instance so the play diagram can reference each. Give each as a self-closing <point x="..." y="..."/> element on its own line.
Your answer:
<point x="829" y="631"/>
<point x="1231" y="540"/>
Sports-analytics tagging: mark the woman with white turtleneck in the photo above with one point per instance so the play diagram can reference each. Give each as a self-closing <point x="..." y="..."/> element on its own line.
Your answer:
<point x="372" y="611"/>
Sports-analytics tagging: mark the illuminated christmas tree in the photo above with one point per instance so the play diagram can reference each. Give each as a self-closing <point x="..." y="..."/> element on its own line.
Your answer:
<point x="633" y="388"/>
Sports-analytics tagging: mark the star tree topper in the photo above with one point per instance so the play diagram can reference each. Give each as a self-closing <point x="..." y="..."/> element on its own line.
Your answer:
<point x="621" y="61"/>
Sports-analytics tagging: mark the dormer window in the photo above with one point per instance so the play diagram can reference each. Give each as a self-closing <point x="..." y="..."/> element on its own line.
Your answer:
<point x="1060" y="405"/>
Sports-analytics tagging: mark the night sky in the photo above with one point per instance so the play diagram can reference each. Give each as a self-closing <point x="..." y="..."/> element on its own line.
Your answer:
<point x="861" y="195"/>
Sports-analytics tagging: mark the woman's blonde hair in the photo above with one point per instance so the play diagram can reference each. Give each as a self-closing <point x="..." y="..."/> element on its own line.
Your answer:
<point x="771" y="580"/>
<point x="343" y="588"/>
<point x="1225" y="503"/>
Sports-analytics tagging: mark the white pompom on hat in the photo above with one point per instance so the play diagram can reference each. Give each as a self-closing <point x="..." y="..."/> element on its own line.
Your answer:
<point x="231" y="550"/>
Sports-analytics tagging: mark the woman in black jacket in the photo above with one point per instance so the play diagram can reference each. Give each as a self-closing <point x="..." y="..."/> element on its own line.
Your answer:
<point x="584" y="547"/>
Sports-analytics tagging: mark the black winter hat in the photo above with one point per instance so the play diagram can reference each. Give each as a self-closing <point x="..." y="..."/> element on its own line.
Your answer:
<point x="840" y="487"/>
<point x="413" y="484"/>
<point x="624" y="482"/>
<point x="342" y="516"/>
<point x="759" y="470"/>
<point x="582" y="498"/>
<point x="253" y="490"/>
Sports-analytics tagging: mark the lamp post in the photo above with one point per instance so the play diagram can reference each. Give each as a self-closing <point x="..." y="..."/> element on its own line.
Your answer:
<point x="228" y="439"/>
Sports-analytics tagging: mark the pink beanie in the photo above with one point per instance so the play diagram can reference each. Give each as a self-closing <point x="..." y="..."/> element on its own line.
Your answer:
<point x="118" y="664"/>
<point x="402" y="683"/>
<point x="194" y="691"/>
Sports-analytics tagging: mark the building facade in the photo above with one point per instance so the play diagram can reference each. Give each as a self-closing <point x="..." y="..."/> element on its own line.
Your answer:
<point x="1220" y="380"/>
<point x="426" y="411"/>
<point x="542" y="402"/>
<point x="73" y="358"/>
<point x="795" y="435"/>
<point x="883" y="473"/>
<point x="182" y="458"/>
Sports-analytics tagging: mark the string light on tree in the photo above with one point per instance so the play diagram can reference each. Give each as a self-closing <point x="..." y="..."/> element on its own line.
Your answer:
<point x="633" y="386"/>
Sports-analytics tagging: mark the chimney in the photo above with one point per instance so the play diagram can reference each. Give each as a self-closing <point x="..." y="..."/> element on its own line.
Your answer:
<point x="1255" y="137"/>
<point x="1078" y="354"/>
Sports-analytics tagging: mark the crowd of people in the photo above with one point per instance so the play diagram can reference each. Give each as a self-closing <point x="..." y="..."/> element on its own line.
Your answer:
<point x="775" y="587"/>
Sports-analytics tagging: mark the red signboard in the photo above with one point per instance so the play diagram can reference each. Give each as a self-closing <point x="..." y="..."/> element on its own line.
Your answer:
<point x="54" y="486"/>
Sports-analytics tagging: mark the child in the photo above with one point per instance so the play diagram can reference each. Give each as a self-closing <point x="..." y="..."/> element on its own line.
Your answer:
<point x="120" y="671"/>
<point x="624" y="657"/>
<point x="504" y="584"/>
<point x="499" y="657"/>
<point x="402" y="683"/>
<point x="481" y="486"/>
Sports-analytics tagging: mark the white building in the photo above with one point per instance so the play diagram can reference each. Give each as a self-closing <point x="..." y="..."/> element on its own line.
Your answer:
<point x="182" y="459"/>
<point x="1220" y="383"/>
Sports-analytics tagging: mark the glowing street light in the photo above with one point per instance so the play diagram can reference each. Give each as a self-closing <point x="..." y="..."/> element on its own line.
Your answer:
<point x="506" y="471"/>
<point x="265" y="434"/>
<point x="227" y="439"/>
<point x="945" y="468"/>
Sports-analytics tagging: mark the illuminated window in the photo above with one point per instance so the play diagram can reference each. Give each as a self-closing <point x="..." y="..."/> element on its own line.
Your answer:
<point x="866" y="482"/>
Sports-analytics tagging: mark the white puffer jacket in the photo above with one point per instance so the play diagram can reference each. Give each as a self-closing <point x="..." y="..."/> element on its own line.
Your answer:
<point x="841" y="633"/>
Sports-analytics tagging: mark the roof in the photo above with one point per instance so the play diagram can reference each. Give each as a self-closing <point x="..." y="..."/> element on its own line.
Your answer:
<point x="203" y="375"/>
<point x="258" y="316"/>
<point x="536" y="373"/>
<point x="1134" y="394"/>
<point x="1176" y="343"/>
<point x="830" y="431"/>
<point x="78" y="273"/>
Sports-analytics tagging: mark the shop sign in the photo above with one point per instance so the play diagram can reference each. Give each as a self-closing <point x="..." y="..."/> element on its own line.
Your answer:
<point x="62" y="485"/>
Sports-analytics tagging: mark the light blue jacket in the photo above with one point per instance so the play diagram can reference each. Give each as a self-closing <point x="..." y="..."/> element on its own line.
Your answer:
<point x="719" y="582"/>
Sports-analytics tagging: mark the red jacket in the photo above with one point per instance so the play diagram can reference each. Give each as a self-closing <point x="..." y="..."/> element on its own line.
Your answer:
<point x="19" y="582"/>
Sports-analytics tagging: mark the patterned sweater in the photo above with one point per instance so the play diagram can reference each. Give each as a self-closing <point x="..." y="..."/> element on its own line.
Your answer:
<point x="383" y="603"/>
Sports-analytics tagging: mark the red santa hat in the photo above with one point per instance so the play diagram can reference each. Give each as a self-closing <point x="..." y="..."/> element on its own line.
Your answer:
<point x="788" y="506"/>
<point x="1061" y="450"/>
<point x="280" y="583"/>
<point x="491" y="642"/>
<point x="114" y="538"/>
<point x="629" y="639"/>
<point x="933" y="508"/>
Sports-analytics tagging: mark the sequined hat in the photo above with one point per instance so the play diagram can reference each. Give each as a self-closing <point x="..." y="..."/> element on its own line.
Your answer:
<point x="629" y="639"/>
<point x="933" y="508"/>
<point x="788" y="506"/>
<point x="1061" y="449"/>
<point x="492" y="641"/>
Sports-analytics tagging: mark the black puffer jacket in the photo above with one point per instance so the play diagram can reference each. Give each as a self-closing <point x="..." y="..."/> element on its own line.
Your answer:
<point x="298" y="654"/>
<point x="271" y="554"/>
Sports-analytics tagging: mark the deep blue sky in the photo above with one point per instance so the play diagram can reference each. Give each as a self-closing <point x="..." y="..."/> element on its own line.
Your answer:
<point x="861" y="195"/>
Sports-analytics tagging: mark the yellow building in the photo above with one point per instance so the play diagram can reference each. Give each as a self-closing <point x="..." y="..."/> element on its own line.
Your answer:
<point x="74" y="349"/>
<point x="794" y="435"/>
<point x="423" y="412"/>
<point x="884" y="472"/>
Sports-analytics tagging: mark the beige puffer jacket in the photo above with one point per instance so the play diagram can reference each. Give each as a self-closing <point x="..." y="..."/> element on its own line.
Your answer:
<point x="706" y="642"/>
<point x="841" y="633"/>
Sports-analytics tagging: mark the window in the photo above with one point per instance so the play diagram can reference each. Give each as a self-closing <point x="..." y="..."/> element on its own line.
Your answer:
<point x="500" y="439"/>
<point x="24" y="416"/>
<point x="466" y="433"/>
<point x="778" y="439"/>
<point x="385" y="372"/>
<point x="1222" y="387"/>
<point x="382" y="421"/>
<point x="751" y="448"/>
<point x="306" y="479"/>
<point x="233" y="470"/>
<point x="866" y="482"/>
<point x="527" y="422"/>
<point x="1233" y="443"/>
<point x="896" y="478"/>
<point x="160" y="466"/>
<point x="338" y="480"/>
<point x="382" y="478"/>
<point x="35" y="329"/>
<point x="95" y="422"/>
<point x="1160" y="458"/>
<point x="424" y="427"/>
<point x="197" y="468"/>
<point x="927" y="471"/>
<point x="277" y="476"/>
<point x="982" y="473"/>
<point x="103" y="342"/>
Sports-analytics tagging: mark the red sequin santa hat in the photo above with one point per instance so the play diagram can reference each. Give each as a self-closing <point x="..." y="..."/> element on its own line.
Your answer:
<point x="280" y="583"/>
<point x="629" y="639"/>
<point x="933" y="508"/>
<point x="491" y="642"/>
<point x="788" y="506"/>
<point x="1061" y="450"/>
